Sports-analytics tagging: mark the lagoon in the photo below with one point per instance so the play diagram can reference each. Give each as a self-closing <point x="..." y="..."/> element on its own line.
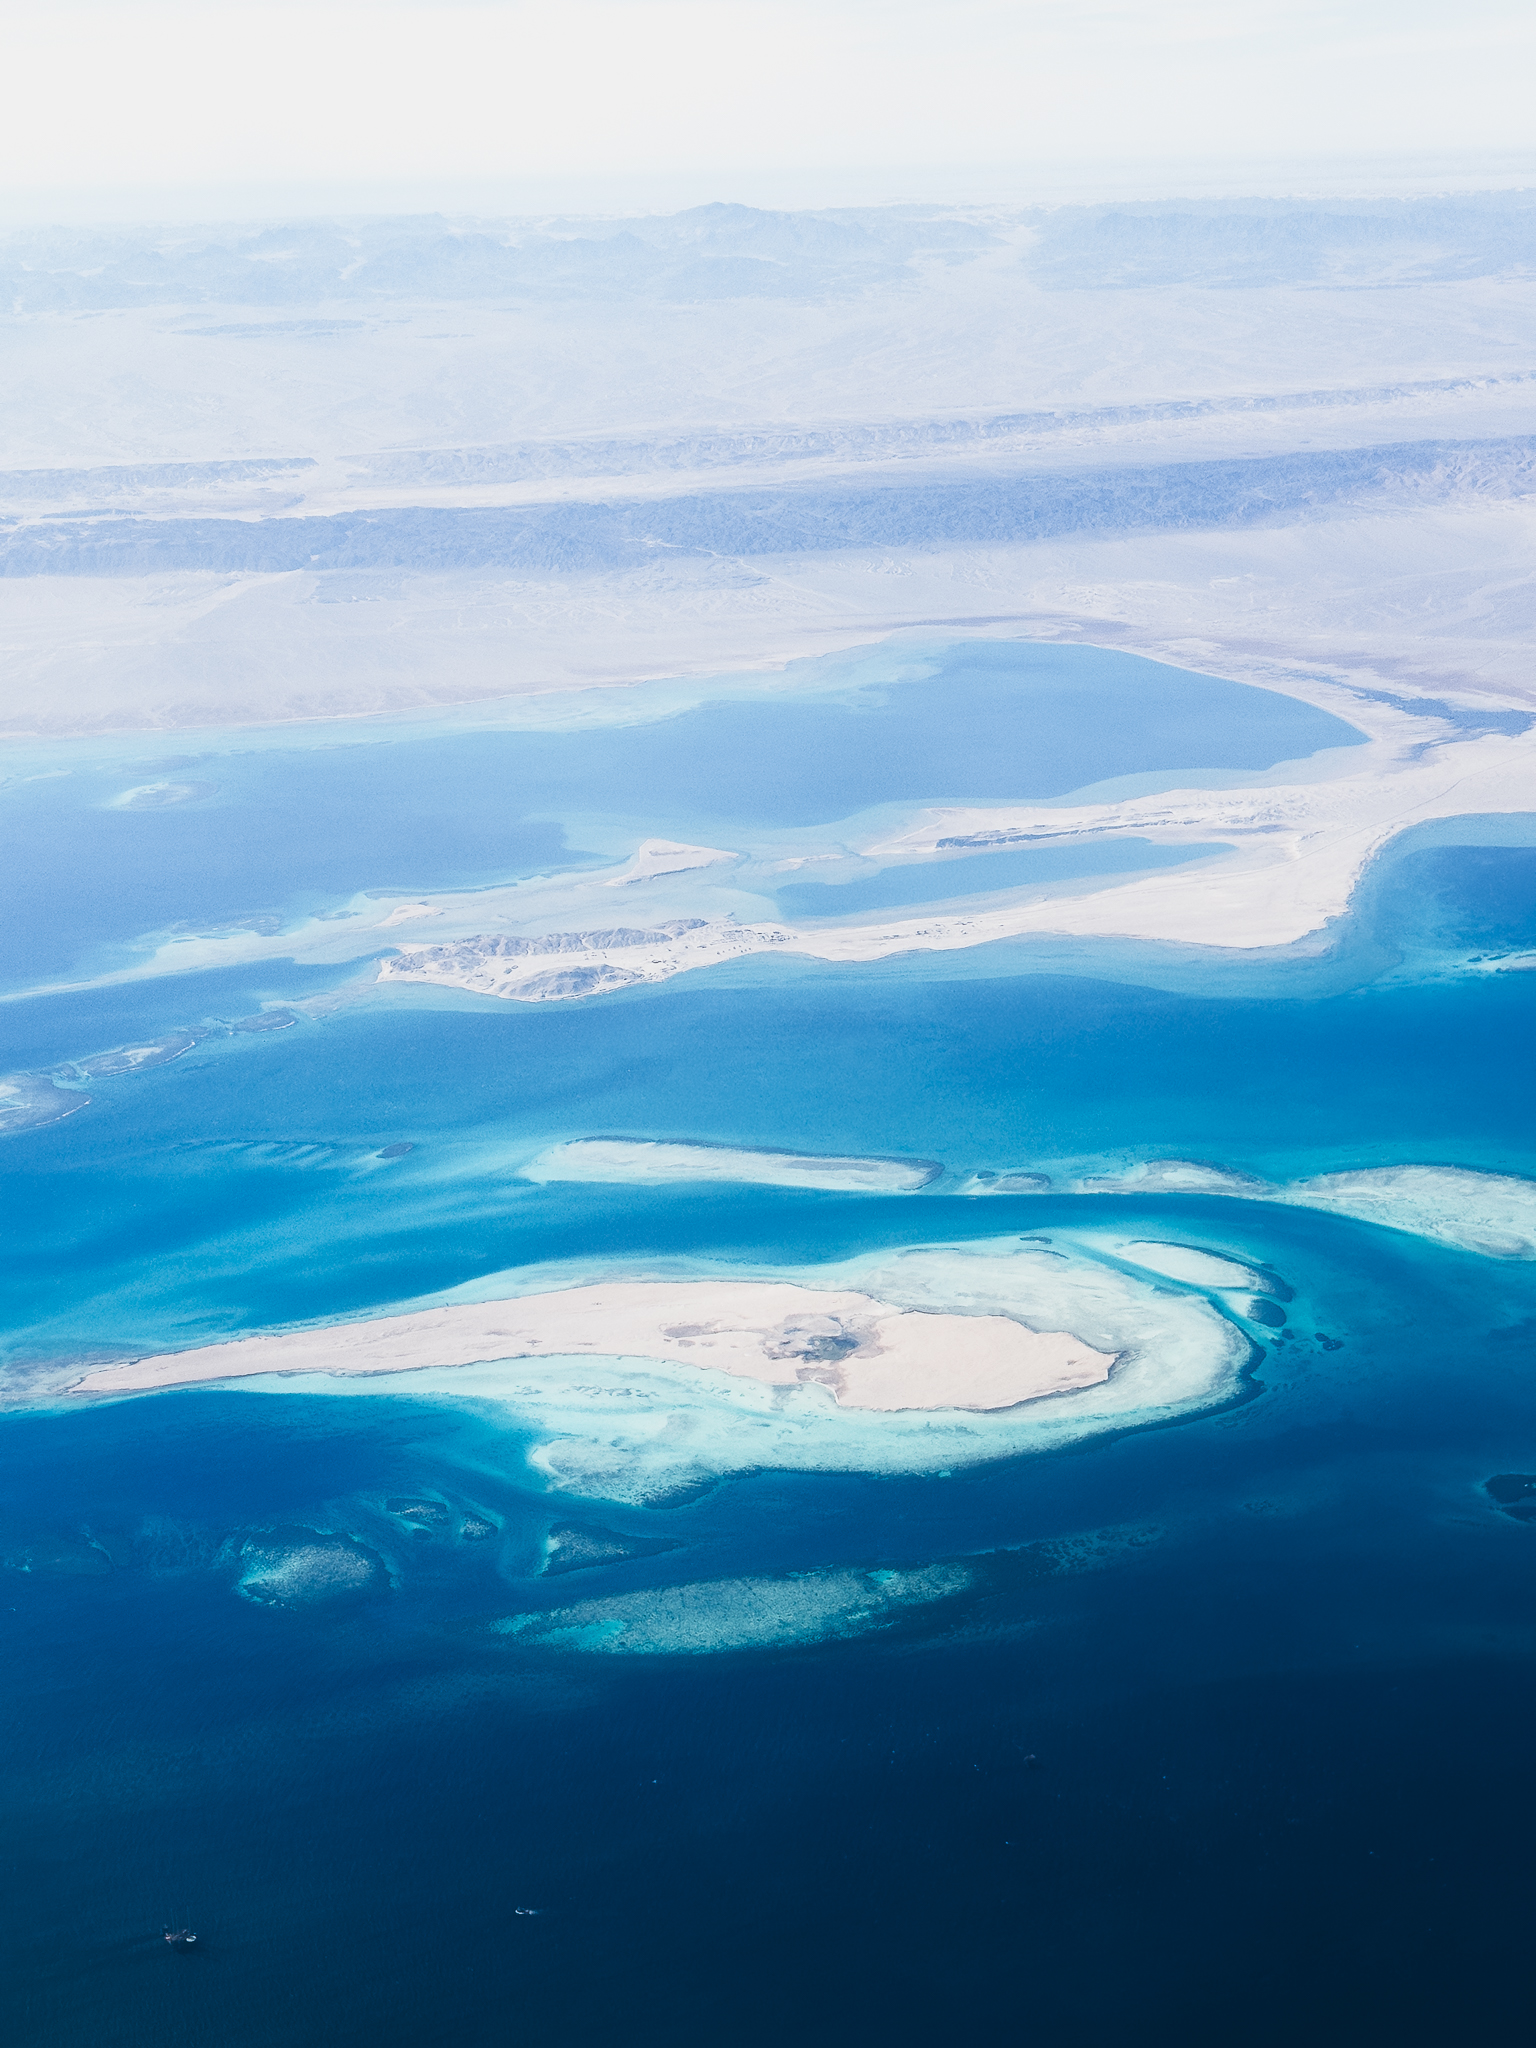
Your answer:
<point x="260" y="831"/>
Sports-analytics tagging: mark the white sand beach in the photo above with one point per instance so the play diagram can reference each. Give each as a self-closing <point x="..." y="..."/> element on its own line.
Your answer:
<point x="1298" y="851"/>
<point x="648" y="1162"/>
<point x="869" y="1354"/>
<point x="629" y="1389"/>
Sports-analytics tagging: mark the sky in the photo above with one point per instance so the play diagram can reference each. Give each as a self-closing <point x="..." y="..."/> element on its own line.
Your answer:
<point x="839" y="101"/>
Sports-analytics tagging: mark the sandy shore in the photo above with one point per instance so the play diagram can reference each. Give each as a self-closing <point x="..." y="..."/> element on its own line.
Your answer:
<point x="646" y="1162"/>
<point x="1297" y="852"/>
<point x="1298" y="838"/>
<point x="869" y="1354"/>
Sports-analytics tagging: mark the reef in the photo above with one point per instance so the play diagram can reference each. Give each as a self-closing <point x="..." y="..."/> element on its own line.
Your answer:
<point x="1514" y="1492"/>
<point x="579" y="1546"/>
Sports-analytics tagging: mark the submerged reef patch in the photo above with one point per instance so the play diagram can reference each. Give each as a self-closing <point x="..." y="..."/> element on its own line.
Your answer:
<point x="707" y="1617"/>
<point x="1475" y="1211"/>
<point x="786" y="1610"/>
<point x="28" y="1101"/>
<point x="1491" y="1213"/>
<point x="58" y="1554"/>
<point x="305" y="1568"/>
<point x="430" y="1515"/>
<point x="1173" y="1177"/>
<point x="1514" y="1492"/>
<point x="581" y="1546"/>
<point x="1198" y="1268"/>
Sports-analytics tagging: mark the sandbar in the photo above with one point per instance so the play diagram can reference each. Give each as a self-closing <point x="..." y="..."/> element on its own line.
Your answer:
<point x="644" y="1162"/>
<point x="1298" y="850"/>
<point x="1493" y="1214"/>
<point x="867" y="1353"/>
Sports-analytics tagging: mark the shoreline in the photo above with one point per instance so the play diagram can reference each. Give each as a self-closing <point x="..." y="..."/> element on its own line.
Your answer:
<point x="1299" y="853"/>
<point x="868" y="1354"/>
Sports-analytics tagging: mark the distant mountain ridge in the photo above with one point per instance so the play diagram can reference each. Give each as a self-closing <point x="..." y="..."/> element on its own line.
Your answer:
<point x="724" y="251"/>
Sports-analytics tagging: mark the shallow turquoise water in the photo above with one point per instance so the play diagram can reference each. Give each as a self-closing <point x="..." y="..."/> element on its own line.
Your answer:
<point x="271" y="829"/>
<point x="1221" y="1708"/>
<point x="935" y="883"/>
<point x="255" y="1195"/>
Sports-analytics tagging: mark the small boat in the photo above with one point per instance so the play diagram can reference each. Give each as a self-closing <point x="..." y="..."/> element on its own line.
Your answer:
<point x="180" y="1937"/>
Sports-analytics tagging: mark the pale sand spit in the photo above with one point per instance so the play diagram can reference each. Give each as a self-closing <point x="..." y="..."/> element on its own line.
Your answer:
<point x="867" y="1353"/>
<point x="1297" y="853"/>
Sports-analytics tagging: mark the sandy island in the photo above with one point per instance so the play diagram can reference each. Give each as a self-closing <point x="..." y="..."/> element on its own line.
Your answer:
<point x="867" y="1353"/>
<point x="1297" y="852"/>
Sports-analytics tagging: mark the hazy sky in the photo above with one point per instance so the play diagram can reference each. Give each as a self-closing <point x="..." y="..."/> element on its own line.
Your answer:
<point x="727" y="98"/>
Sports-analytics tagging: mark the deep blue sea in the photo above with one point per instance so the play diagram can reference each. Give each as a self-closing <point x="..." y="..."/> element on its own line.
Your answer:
<point x="1228" y="1739"/>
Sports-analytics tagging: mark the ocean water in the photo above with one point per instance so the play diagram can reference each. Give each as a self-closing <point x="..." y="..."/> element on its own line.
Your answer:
<point x="108" y="843"/>
<point x="1212" y="1730"/>
<point x="256" y="1194"/>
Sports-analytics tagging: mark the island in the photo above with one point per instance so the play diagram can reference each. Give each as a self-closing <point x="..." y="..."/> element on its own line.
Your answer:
<point x="868" y="1354"/>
